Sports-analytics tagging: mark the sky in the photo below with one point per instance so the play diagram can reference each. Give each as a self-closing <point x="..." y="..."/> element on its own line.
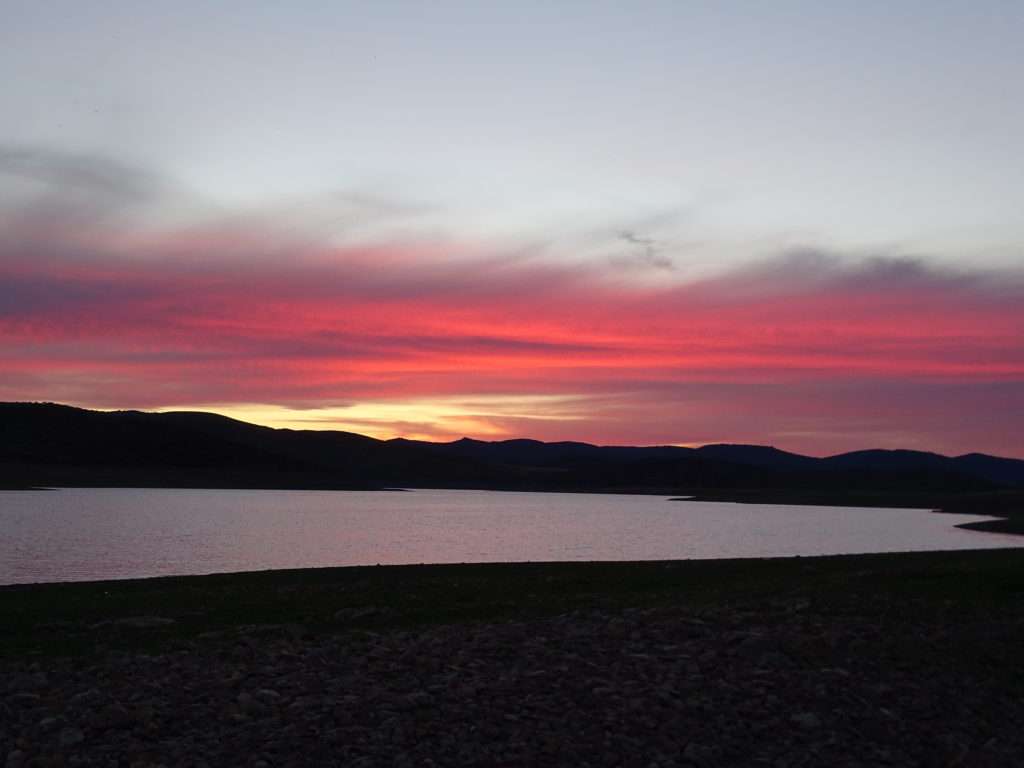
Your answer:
<point x="790" y="223"/>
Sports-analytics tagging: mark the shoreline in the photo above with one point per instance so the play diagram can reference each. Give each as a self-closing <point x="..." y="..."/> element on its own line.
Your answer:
<point x="335" y="598"/>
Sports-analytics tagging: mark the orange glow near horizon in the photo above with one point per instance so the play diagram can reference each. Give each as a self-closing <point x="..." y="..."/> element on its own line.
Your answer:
<point x="428" y="419"/>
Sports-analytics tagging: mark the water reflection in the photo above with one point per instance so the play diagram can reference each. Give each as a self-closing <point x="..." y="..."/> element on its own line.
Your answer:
<point x="76" y="534"/>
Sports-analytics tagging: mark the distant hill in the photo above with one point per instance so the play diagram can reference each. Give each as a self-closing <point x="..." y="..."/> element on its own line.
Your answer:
<point x="759" y="456"/>
<point x="993" y="469"/>
<point x="1008" y="472"/>
<point x="45" y="444"/>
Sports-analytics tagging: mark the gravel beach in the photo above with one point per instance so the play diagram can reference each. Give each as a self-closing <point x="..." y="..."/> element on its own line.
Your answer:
<point x="778" y="684"/>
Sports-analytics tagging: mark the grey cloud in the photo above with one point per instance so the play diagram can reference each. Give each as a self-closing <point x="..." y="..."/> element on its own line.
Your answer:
<point x="801" y="269"/>
<point x="70" y="173"/>
<point x="648" y="252"/>
<point x="381" y="206"/>
<point x="300" y="405"/>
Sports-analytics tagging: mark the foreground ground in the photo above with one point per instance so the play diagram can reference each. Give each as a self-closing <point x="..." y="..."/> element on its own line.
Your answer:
<point x="842" y="661"/>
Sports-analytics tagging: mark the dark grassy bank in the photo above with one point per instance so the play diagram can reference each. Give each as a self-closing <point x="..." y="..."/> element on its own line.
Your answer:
<point x="1005" y="504"/>
<point x="84" y="617"/>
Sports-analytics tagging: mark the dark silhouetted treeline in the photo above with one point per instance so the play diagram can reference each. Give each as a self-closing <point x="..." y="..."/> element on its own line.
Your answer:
<point x="44" y="444"/>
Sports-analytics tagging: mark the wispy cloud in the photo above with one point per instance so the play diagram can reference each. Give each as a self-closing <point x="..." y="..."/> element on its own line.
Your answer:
<point x="81" y="176"/>
<point x="646" y="252"/>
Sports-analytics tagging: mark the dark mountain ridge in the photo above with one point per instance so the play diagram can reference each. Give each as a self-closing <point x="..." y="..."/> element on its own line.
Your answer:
<point x="48" y="444"/>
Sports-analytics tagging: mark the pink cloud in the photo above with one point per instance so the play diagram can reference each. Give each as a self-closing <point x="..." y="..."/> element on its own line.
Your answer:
<point x="805" y="350"/>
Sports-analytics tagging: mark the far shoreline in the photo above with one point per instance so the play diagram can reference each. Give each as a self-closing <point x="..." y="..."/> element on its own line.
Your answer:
<point x="1006" y="506"/>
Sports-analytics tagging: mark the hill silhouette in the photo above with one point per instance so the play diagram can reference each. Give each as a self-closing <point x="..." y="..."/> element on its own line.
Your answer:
<point x="46" y="444"/>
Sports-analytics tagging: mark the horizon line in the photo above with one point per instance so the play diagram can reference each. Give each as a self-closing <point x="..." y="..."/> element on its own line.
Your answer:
<point x="682" y="446"/>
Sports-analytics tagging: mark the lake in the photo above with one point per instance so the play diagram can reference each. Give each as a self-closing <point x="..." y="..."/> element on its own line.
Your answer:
<point x="78" y="534"/>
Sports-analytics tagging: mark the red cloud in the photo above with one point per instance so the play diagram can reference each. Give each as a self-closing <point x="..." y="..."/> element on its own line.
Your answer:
<point x="805" y="345"/>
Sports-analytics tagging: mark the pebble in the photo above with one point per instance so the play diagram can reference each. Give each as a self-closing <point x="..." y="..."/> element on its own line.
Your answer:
<point x="70" y="736"/>
<point x="806" y="720"/>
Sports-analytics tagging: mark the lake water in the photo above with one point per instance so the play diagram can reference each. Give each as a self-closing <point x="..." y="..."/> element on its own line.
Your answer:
<point x="81" y="534"/>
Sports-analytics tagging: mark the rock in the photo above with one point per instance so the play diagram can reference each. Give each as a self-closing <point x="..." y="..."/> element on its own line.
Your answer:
<point x="143" y="622"/>
<point x="85" y="697"/>
<point x="24" y="699"/>
<point x="696" y="753"/>
<point x="56" y="626"/>
<point x="807" y="720"/>
<point x="773" y="660"/>
<point x="249" y="704"/>
<point x="418" y="699"/>
<point x="32" y="681"/>
<point x="114" y="715"/>
<point x="360" y="614"/>
<point x="70" y="736"/>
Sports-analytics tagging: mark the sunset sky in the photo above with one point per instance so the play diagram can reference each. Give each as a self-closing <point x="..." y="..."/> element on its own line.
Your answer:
<point x="788" y="223"/>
